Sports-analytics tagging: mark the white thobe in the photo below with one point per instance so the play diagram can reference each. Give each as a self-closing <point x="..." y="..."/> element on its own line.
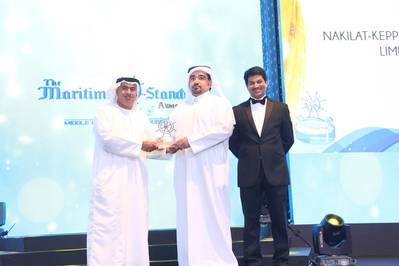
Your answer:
<point x="118" y="219"/>
<point x="202" y="182"/>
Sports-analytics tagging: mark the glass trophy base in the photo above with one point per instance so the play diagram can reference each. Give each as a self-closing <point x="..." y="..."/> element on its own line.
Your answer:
<point x="315" y="130"/>
<point x="159" y="154"/>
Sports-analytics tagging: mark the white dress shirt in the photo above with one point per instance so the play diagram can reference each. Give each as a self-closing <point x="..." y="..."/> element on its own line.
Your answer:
<point x="258" y="113"/>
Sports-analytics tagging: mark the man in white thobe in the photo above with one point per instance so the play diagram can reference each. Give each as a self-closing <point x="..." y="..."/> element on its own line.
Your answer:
<point x="203" y="123"/>
<point x="118" y="219"/>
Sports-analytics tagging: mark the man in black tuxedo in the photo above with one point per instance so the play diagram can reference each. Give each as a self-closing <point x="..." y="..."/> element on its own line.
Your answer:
<point x="261" y="138"/>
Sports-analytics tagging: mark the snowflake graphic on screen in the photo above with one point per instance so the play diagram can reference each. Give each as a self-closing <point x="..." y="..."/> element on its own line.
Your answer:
<point x="313" y="105"/>
<point x="314" y="125"/>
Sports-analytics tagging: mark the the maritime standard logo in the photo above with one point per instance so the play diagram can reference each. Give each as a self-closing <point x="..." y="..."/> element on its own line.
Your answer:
<point x="157" y="103"/>
<point x="51" y="90"/>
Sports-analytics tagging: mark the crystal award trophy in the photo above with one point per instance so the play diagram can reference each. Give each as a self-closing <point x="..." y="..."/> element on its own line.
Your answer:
<point x="167" y="130"/>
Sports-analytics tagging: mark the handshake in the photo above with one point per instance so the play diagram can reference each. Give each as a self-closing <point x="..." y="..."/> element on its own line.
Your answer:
<point x="169" y="147"/>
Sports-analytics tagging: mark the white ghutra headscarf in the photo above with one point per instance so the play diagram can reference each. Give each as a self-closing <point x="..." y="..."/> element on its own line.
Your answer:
<point x="215" y="86"/>
<point x="119" y="81"/>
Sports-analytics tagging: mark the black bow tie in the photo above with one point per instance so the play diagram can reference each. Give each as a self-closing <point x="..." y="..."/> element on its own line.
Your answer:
<point x="262" y="101"/>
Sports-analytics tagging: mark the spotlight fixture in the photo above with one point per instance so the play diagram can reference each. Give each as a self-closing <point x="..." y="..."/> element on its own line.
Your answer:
<point x="332" y="242"/>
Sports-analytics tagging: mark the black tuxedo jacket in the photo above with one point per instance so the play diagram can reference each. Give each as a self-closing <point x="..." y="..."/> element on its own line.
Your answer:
<point x="270" y="148"/>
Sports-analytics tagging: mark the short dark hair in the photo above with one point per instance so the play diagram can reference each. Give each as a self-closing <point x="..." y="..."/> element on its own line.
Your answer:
<point x="256" y="70"/>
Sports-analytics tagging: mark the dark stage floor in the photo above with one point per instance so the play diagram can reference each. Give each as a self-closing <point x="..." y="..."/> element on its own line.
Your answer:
<point x="393" y="261"/>
<point x="373" y="245"/>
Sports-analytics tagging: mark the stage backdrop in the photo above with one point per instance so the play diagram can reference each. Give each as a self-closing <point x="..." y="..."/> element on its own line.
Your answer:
<point x="58" y="58"/>
<point x="340" y="65"/>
